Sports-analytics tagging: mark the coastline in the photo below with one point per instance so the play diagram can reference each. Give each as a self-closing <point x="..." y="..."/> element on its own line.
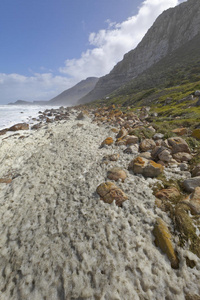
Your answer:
<point x="59" y="241"/>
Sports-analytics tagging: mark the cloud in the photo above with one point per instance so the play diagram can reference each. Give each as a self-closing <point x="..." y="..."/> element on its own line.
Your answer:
<point x="109" y="45"/>
<point x="37" y="87"/>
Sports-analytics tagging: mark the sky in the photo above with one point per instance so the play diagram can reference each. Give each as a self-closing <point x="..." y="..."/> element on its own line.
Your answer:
<point x="47" y="46"/>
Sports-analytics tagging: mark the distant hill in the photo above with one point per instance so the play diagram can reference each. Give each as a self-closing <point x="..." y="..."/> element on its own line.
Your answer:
<point x="68" y="97"/>
<point x="172" y="37"/>
<point x="72" y="95"/>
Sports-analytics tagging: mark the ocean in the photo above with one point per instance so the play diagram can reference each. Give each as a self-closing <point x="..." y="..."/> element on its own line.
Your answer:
<point x="13" y="114"/>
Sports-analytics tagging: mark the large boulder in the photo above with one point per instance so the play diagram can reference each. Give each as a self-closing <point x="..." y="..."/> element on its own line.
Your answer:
<point x="145" y="167"/>
<point x="19" y="126"/>
<point x="163" y="240"/>
<point x="178" y="145"/>
<point x="109" y="192"/>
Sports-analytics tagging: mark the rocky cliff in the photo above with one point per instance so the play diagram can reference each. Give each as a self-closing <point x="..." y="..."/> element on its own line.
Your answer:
<point x="172" y="29"/>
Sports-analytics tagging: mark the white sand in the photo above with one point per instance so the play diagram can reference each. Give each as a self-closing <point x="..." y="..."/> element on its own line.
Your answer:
<point x="59" y="241"/>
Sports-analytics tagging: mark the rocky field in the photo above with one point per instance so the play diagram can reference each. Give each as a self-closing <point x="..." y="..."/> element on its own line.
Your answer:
<point x="98" y="204"/>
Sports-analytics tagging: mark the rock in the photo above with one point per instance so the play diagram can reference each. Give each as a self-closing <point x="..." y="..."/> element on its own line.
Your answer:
<point x="116" y="174"/>
<point x="122" y="133"/>
<point x="193" y="201"/>
<point x="184" y="167"/>
<point x="131" y="149"/>
<point x="5" y="180"/>
<point x="180" y="131"/>
<point x="80" y="116"/>
<point x="171" y="193"/>
<point x="181" y="156"/>
<point x="115" y="130"/>
<point x="196" y="171"/>
<point x="158" y="136"/>
<point x="191" y="183"/>
<point x="197" y="93"/>
<point x="131" y="140"/>
<point x="196" y="133"/>
<point x="108" y="141"/>
<point x="165" y="155"/>
<point x="163" y="240"/>
<point x="3" y="131"/>
<point x="147" y="144"/>
<point x="148" y="168"/>
<point x="113" y="157"/>
<point x="109" y="192"/>
<point x="157" y="151"/>
<point x="19" y="126"/>
<point x="146" y="155"/>
<point x="36" y="126"/>
<point x="150" y="128"/>
<point x="178" y="145"/>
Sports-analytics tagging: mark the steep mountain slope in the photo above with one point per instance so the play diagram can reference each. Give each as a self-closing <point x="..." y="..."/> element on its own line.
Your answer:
<point x="173" y="29"/>
<point x="72" y="95"/>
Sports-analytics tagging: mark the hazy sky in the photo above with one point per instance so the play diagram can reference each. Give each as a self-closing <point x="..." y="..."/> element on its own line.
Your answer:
<point x="47" y="46"/>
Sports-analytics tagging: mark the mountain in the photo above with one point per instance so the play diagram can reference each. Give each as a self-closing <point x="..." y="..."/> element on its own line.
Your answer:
<point x="72" y="95"/>
<point x="68" y="97"/>
<point x="172" y="31"/>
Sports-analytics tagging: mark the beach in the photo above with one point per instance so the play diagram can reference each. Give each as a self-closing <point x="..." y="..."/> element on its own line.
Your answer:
<point x="60" y="241"/>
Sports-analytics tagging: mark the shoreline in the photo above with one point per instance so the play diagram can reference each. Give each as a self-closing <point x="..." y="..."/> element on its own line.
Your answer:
<point x="60" y="241"/>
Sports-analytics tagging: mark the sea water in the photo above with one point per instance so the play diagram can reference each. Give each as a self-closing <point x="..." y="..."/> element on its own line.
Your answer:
<point x="13" y="114"/>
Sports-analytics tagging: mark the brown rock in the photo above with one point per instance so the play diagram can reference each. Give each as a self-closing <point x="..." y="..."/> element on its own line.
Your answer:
<point x="168" y="194"/>
<point x="178" y="145"/>
<point x="114" y="157"/>
<point x="180" y="131"/>
<point x="109" y="192"/>
<point x="108" y="141"/>
<point x="5" y="180"/>
<point x="182" y="156"/>
<point x="147" y="144"/>
<point x="122" y="133"/>
<point x="193" y="201"/>
<point x="165" y="155"/>
<point x="19" y="126"/>
<point x="3" y="131"/>
<point x="148" y="168"/>
<point x="36" y="126"/>
<point x="156" y="151"/>
<point x="196" y="171"/>
<point x="116" y="174"/>
<point x="163" y="240"/>
<point x="131" y="140"/>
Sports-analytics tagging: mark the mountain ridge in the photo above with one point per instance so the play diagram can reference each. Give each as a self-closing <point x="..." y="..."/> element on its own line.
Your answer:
<point x="171" y="30"/>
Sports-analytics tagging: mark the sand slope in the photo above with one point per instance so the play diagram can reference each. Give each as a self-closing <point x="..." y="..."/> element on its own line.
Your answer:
<point x="59" y="241"/>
